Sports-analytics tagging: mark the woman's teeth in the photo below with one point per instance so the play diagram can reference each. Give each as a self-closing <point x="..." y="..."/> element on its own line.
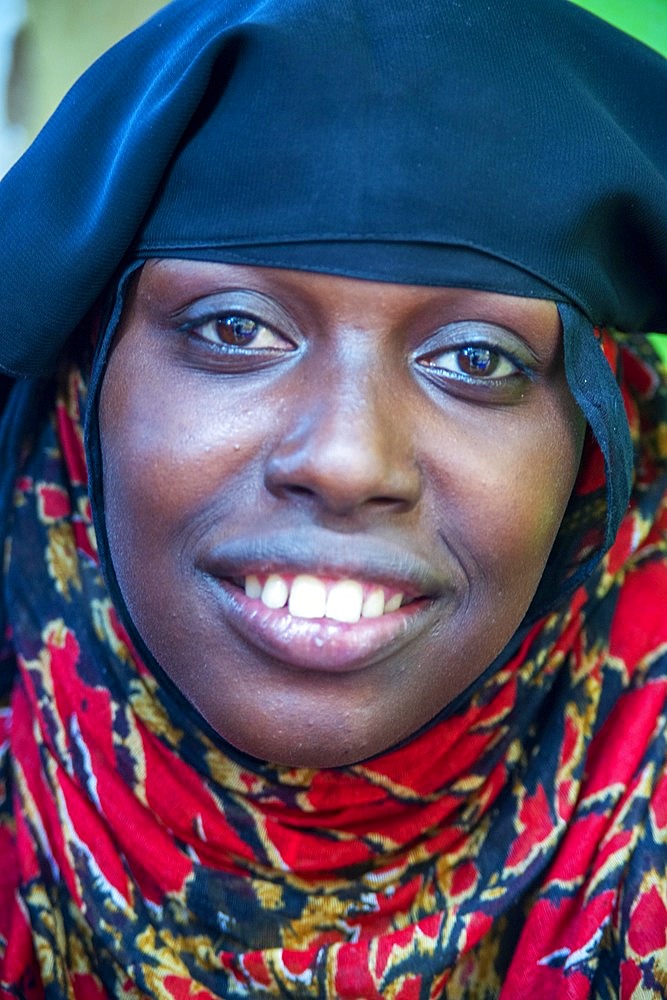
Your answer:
<point x="309" y="597"/>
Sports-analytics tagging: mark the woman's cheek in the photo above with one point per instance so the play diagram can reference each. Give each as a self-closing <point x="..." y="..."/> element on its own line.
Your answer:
<point x="509" y="505"/>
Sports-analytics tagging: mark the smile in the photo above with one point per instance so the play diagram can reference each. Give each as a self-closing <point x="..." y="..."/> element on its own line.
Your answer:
<point x="308" y="596"/>
<point x="311" y="600"/>
<point x="315" y="641"/>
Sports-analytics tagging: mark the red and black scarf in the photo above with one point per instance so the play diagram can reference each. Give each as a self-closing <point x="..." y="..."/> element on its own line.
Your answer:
<point x="517" y="847"/>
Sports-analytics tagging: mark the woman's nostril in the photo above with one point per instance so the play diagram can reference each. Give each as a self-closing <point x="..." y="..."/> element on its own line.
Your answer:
<point x="300" y="491"/>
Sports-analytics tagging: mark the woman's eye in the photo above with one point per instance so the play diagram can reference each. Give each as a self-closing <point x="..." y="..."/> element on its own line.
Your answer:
<point x="241" y="331"/>
<point x="475" y="361"/>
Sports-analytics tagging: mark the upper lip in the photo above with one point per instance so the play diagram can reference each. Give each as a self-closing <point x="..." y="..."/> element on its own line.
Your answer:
<point x="324" y="553"/>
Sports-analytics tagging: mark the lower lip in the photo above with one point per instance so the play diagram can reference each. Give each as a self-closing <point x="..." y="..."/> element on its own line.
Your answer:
<point x="321" y="644"/>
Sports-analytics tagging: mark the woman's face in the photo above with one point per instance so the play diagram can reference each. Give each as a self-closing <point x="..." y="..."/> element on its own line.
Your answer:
<point x="329" y="501"/>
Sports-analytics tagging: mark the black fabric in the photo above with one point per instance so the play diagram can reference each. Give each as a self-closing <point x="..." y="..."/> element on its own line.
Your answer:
<point x="595" y="389"/>
<point x="530" y="135"/>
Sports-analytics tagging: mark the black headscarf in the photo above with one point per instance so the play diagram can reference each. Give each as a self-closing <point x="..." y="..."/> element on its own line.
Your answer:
<point x="508" y="145"/>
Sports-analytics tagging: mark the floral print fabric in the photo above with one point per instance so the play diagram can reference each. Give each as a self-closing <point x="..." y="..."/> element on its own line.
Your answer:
<point x="516" y="847"/>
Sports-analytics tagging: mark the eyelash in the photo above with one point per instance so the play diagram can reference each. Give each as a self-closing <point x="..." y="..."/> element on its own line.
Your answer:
<point x="230" y="323"/>
<point x="494" y="356"/>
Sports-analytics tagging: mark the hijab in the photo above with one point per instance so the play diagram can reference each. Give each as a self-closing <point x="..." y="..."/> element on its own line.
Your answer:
<point x="513" y="844"/>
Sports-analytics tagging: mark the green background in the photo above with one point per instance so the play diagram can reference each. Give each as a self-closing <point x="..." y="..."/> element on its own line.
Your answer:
<point x="645" y="19"/>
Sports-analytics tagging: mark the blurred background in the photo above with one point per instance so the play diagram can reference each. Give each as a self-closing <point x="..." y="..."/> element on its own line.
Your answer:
<point x="46" y="44"/>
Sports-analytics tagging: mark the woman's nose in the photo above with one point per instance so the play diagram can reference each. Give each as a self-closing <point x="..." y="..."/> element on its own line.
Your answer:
<point x="346" y="445"/>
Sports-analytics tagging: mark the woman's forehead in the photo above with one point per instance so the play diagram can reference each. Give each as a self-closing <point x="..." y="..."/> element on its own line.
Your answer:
<point x="170" y="284"/>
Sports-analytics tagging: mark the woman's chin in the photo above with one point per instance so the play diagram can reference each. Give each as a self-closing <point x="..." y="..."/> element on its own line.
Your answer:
<point x="319" y="737"/>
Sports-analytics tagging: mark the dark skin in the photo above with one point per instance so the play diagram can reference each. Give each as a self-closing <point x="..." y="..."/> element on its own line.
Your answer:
<point x="418" y="442"/>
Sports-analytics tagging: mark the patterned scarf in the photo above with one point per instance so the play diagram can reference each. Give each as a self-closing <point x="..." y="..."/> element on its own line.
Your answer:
<point x="516" y="847"/>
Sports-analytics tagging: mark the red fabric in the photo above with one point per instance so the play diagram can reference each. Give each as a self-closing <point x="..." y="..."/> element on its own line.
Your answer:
<point x="515" y="848"/>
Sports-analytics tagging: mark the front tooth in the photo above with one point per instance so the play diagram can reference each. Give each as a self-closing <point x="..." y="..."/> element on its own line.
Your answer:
<point x="275" y="592"/>
<point x="344" y="601"/>
<point x="373" y="606"/>
<point x="308" y="597"/>
<point x="394" y="603"/>
<point x="253" y="587"/>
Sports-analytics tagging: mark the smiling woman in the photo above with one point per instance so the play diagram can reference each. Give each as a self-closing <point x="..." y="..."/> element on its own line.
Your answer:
<point x="334" y="511"/>
<point x="394" y="483"/>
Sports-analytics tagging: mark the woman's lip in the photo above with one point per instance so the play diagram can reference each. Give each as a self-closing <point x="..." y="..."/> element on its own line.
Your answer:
<point x="327" y="554"/>
<point x="322" y="644"/>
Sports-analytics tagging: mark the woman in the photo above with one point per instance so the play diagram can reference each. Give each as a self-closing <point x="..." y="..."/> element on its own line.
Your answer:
<point x="335" y="515"/>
